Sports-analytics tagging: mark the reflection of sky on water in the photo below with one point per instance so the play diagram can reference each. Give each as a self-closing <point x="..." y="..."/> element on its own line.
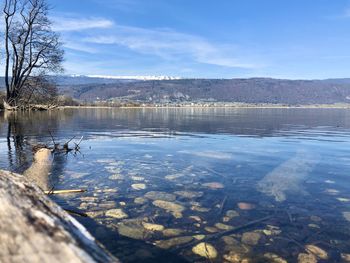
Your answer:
<point x="236" y="148"/>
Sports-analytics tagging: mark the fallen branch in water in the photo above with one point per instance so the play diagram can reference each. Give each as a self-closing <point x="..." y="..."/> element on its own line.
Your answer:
<point x="69" y="191"/>
<point x="75" y="212"/>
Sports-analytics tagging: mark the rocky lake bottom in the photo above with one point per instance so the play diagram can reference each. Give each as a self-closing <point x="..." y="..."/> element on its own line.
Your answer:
<point x="199" y="185"/>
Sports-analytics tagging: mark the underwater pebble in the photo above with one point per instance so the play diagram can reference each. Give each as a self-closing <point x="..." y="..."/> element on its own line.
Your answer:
<point x="152" y="227"/>
<point x="319" y="252"/>
<point x="133" y="229"/>
<point x="231" y="214"/>
<point x="346" y="216"/>
<point x="245" y="206"/>
<point x="175" y="209"/>
<point x="137" y="178"/>
<point x="107" y="205"/>
<point x="94" y="214"/>
<point x="233" y="257"/>
<point x="189" y="194"/>
<point x="110" y="190"/>
<point x="315" y="218"/>
<point x="166" y="244"/>
<point x="156" y="195"/>
<point x="205" y="250"/>
<point x="342" y="199"/>
<point x="199" y="237"/>
<point x="116" y="213"/>
<point x="251" y="238"/>
<point x="116" y="177"/>
<point x="214" y="185"/>
<point x="223" y="226"/>
<point x="196" y="218"/>
<point x="274" y="258"/>
<point x="89" y="199"/>
<point x="332" y="191"/>
<point x="313" y="226"/>
<point x="228" y="240"/>
<point x="122" y="203"/>
<point x="172" y="232"/>
<point x="211" y="229"/>
<point x="345" y="257"/>
<point x="200" y="209"/>
<point x="306" y="258"/>
<point x="138" y="186"/>
<point x="140" y="200"/>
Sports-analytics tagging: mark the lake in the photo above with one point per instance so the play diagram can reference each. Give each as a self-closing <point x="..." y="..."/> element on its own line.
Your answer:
<point x="170" y="185"/>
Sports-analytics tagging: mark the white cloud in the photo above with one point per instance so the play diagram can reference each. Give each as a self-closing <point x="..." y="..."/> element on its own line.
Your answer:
<point x="62" y="23"/>
<point x="79" y="47"/>
<point x="170" y="44"/>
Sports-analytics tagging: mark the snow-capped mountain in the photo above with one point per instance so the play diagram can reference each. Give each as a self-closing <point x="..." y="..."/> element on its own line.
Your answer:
<point x="129" y="77"/>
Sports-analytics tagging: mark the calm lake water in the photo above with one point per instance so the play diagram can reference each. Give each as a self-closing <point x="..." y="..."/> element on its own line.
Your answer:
<point x="256" y="184"/>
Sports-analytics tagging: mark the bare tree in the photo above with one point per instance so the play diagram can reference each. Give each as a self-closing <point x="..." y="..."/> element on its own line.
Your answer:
<point x="32" y="49"/>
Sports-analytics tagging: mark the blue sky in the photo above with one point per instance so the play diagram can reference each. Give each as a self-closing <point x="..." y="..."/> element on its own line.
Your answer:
<point x="206" y="38"/>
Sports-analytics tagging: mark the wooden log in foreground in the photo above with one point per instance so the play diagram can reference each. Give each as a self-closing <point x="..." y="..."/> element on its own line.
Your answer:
<point x="35" y="229"/>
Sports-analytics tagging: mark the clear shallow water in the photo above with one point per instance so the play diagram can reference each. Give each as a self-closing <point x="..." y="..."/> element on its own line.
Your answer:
<point x="222" y="168"/>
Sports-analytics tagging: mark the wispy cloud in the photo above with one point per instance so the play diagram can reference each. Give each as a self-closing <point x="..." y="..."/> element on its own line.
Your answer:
<point x="62" y="23"/>
<point x="171" y="45"/>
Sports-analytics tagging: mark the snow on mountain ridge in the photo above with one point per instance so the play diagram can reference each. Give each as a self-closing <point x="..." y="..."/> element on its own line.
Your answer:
<point x="133" y="77"/>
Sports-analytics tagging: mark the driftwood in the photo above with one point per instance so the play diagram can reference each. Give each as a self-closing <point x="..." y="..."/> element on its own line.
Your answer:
<point x="34" y="229"/>
<point x="68" y="191"/>
<point x="34" y="107"/>
<point x="9" y="107"/>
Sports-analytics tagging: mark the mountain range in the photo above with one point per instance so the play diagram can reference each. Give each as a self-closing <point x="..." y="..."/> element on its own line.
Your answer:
<point x="164" y="89"/>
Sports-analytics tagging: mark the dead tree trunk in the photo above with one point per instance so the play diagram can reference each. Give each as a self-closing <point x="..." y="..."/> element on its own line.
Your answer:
<point x="35" y="229"/>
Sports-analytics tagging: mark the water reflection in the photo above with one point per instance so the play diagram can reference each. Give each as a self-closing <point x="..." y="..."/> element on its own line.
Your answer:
<point x="178" y="178"/>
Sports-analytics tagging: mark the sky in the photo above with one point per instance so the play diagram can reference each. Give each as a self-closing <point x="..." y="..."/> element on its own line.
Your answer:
<point x="296" y="39"/>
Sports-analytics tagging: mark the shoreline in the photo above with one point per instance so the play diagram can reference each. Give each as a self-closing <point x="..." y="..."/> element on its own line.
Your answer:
<point x="323" y="106"/>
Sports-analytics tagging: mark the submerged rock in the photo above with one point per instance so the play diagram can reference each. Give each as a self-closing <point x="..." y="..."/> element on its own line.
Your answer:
<point x="175" y="209"/>
<point x="137" y="178"/>
<point x="245" y="206"/>
<point x="233" y="257"/>
<point x="251" y="238"/>
<point x="345" y="257"/>
<point x="274" y="258"/>
<point x="94" y="214"/>
<point x="172" y="232"/>
<point x="205" y="250"/>
<point x="231" y="213"/>
<point x="319" y="252"/>
<point x="152" y="227"/>
<point x="140" y="200"/>
<point x="116" y="177"/>
<point x="116" y="213"/>
<point x="156" y="195"/>
<point x="214" y="185"/>
<point x="172" y="242"/>
<point x="346" y="216"/>
<point x="223" y="226"/>
<point x="288" y="177"/>
<point x="343" y="199"/>
<point x="306" y="258"/>
<point x="138" y="186"/>
<point x="228" y="240"/>
<point x="200" y="209"/>
<point x="189" y="194"/>
<point x="199" y="237"/>
<point x="211" y="229"/>
<point x="133" y="229"/>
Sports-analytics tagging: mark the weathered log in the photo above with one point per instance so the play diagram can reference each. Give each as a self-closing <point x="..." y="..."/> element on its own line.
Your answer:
<point x="35" y="229"/>
<point x="9" y="107"/>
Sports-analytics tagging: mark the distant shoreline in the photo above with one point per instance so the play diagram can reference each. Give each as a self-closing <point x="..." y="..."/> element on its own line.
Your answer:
<point x="239" y="106"/>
